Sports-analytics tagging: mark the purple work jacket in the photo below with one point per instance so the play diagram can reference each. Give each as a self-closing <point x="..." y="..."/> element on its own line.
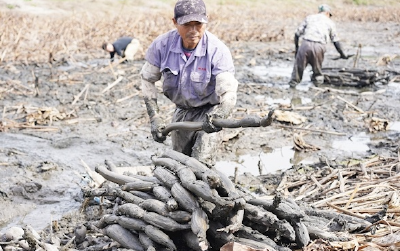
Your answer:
<point x="190" y="82"/>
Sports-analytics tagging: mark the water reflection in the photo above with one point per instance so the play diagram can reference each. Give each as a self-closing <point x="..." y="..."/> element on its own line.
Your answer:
<point x="282" y="70"/>
<point x="357" y="143"/>
<point x="41" y="215"/>
<point x="278" y="159"/>
<point x="295" y="101"/>
<point x="395" y="126"/>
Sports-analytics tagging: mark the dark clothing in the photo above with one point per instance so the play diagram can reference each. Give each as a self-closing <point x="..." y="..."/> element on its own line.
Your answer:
<point x="309" y="53"/>
<point x="198" y="144"/>
<point x="120" y="46"/>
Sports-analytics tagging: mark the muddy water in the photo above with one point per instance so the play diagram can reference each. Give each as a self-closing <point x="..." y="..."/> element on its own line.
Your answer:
<point x="352" y="145"/>
<point x="266" y="162"/>
<point x="58" y="166"/>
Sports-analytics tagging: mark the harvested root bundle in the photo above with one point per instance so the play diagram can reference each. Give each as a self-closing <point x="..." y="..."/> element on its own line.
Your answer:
<point x="189" y="181"/>
<point x="160" y="237"/>
<point x="147" y="242"/>
<point x="139" y="185"/>
<point x="156" y="206"/>
<point x="199" y="227"/>
<point x="201" y="171"/>
<point x="186" y="199"/>
<point x="163" y="194"/>
<point x="167" y="178"/>
<point x="125" y="222"/>
<point x="123" y="236"/>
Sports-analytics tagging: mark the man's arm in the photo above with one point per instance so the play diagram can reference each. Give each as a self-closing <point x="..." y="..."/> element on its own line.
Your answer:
<point x="112" y="56"/>
<point x="226" y="89"/>
<point x="339" y="49"/>
<point x="296" y="43"/>
<point x="149" y="75"/>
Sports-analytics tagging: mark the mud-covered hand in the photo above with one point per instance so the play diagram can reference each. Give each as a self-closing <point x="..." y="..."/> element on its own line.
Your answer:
<point x="157" y="125"/>
<point x="208" y="126"/>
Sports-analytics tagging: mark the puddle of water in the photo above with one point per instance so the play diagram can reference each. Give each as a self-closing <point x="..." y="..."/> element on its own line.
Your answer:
<point x="284" y="70"/>
<point x="271" y="101"/>
<point x="356" y="143"/>
<point x="43" y="215"/>
<point x="394" y="86"/>
<point x="278" y="159"/>
<point x="282" y="101"/>
<point x="395" y="126"/>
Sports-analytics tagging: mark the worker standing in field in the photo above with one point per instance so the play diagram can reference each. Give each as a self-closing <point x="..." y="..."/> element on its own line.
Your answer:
<point x="316" y="31"/>
<point x="198" y="77"/>
<point x="125" y="47"/>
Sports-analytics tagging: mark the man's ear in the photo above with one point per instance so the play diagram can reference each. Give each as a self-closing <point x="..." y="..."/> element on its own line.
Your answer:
<point x="175" y="22"/>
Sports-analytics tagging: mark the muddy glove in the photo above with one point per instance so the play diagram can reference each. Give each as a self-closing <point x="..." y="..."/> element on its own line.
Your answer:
<point x="218" y="112"/>
<point x="208" y="126"/>
<point x="156" y="123"/>
<point x="338" y="47"/>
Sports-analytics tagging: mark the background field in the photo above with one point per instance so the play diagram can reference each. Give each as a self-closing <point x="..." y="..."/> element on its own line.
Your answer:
<point x="44" y="30"/>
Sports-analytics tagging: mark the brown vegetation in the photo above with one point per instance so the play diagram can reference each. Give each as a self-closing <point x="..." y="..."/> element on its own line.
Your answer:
<point x="28" y="37"/>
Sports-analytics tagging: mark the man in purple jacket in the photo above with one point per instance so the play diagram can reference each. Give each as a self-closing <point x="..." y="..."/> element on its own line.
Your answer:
<point x="198" y="77"/>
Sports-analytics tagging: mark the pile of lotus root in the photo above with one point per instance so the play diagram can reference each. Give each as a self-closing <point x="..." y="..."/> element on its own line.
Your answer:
<point x="185" y="205"/>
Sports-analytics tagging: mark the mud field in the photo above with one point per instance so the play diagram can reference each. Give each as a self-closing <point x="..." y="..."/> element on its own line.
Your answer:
<point x="64" y="112"/>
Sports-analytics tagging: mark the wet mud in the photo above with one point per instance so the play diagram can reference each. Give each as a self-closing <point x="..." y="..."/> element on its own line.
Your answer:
<point x="101" y="116"/>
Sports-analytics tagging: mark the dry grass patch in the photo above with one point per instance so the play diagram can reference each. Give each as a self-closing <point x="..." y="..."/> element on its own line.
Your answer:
<point x="78" y="33"/>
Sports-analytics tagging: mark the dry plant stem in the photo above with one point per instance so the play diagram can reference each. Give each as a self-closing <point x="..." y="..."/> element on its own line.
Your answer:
<point x="86" y="93"/>
<point x="341" y="182"/>
<point x="39" y="128"/>
<point x="325" y="189"/>
<point x="316" y="182"/>
<point x="302" y="108"/>
<point x="350" y="104"/>
<point x="66" y="246"/>
<point x="282" y="185"/>
<point x="15" y="82"/>
<point x="113" y="84"/>
<point x="112" y="70"/>
<point x="322" y="202"/>
<point x="311" y="130"/>
<point x="80" y="94"/>
<point x="329" y="177"/>
<point x="345" y="211"/>
<point x="97" y="179"/>
<point x="294" y="184"/>
<point x="373" y="198"/>
<point x="358" y="54"/>
<point x="372" y="211"/>
<point x="389" y="223"/>
<point x="127" y="97"/>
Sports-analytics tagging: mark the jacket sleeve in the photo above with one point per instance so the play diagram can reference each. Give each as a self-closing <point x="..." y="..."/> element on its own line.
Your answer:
<point x="150" y="74"/>
<point x="226" y="89"/>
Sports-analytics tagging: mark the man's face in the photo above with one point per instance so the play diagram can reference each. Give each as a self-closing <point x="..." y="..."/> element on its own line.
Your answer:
<point x="191" y="33"/>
